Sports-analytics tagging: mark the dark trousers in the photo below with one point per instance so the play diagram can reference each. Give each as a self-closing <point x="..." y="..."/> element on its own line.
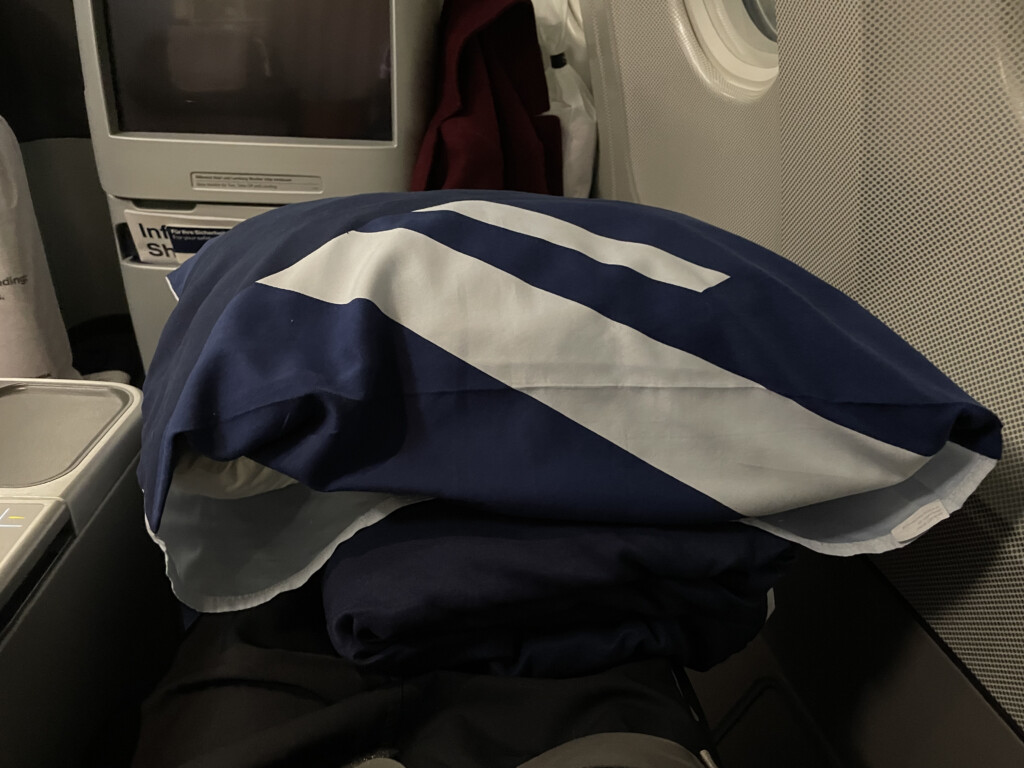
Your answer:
<point x="264" y="687"/>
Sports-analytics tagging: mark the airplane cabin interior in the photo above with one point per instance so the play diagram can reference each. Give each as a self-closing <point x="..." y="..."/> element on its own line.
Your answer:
<point x="512" y="383"/>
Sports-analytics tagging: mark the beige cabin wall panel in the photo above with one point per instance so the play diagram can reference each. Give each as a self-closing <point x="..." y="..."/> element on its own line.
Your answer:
<point x="888" y="159"/>
<point x="681" y="142"/>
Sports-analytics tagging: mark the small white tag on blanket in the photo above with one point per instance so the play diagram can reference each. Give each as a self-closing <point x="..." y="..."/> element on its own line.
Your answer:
<point x="920" y="521"/>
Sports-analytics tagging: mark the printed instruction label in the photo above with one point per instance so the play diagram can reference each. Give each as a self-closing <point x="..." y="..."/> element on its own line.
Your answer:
<point x="920" y="521"/>
<point x="9" y="282"/>
<point x="168" y="239"/>
<point x="257" y="182"/>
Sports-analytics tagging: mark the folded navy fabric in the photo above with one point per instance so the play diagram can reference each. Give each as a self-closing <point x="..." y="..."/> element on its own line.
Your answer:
<point x="440" y="586"/>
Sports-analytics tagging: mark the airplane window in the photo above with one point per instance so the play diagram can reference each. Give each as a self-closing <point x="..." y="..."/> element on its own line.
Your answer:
<point x="739" y="38"/>
<point x="762" y="13"/>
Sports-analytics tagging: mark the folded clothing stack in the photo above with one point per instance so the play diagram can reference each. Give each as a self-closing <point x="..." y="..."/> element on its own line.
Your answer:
<point x="433" y="586"/>
<point x="622" y="415"/>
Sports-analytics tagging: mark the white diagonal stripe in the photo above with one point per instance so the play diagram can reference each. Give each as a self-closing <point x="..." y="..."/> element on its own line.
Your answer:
<point x="646" y="259"/>
<point x="751" y="449"/>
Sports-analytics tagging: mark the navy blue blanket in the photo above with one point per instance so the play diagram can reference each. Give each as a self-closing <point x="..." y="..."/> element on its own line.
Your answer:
<point x="438" y="586"/>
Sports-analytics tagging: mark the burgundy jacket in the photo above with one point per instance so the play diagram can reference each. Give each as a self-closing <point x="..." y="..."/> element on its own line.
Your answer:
<point x="488" y="130"/>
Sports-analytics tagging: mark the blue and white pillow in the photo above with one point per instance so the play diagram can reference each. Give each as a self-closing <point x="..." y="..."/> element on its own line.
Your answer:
<point x="575" y="360"/>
